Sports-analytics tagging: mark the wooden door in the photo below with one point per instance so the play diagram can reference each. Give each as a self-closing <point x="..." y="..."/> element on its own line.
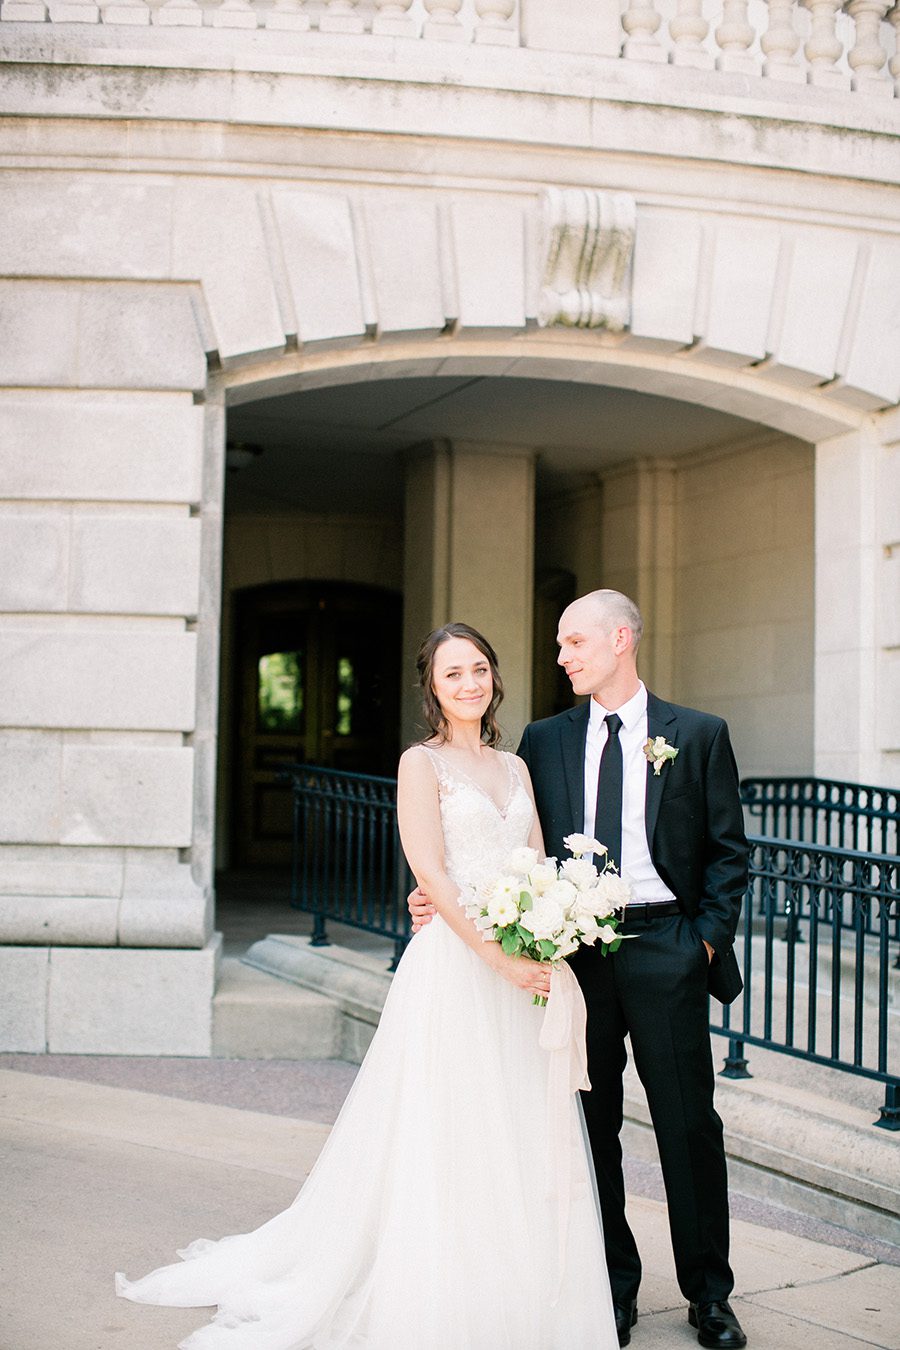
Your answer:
<point x="319" y="681"/>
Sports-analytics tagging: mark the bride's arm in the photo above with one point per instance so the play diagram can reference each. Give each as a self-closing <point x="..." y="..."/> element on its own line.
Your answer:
<point x="422" y="837"/>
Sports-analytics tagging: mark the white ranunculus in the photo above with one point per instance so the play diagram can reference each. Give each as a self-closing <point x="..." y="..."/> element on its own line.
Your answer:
<point x="503" y="910"/>
<point x="521" y="861"/>
<point x="545" y="920"/>
<point x="542" y="875"/>
<point x="615" y="889"/>
<point x="504" y="886"/>
<point x="580" y="872"/>
<point x="607" y="934"/>
<point x="583" y="843"/>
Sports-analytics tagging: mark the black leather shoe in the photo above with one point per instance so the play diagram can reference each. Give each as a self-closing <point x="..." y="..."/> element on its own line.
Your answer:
<point x="716" y="1326"/>
<point x="626" y="1316"/>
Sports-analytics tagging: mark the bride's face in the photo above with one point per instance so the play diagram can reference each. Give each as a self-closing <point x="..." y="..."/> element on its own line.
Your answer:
<point x="461" y="679"/>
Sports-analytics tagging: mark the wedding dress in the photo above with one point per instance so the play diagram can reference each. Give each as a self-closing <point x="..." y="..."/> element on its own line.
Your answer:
<point x="453" y="1206"/>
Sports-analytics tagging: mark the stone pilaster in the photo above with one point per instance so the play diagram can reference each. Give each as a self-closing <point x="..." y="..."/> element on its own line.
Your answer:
<point x="469" y="557"/>
<point x="857" y="707"/>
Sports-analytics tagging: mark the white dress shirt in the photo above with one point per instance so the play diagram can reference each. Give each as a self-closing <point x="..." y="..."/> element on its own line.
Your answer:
<point x="635" y="865"/>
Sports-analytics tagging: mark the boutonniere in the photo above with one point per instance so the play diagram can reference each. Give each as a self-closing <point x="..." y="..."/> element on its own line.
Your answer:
<point x="658" y="751"/>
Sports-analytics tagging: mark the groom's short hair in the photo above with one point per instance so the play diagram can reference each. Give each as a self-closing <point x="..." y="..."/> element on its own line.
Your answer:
<point x="615" y="608"/>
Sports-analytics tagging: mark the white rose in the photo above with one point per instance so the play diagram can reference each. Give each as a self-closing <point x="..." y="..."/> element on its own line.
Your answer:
<point x="583" y="843"/>
<point x="580" y="872"/>
<point x="503" y="909"/>
<point x="545" y="920"/>
<point x="542" y="875"/>
<point x="521" y="861"/>
<point x="562" y="892"/>
<point x="609" y="893"/>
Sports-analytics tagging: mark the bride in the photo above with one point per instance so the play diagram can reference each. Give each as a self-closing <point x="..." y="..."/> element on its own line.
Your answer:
<point x="453" y="1206"/>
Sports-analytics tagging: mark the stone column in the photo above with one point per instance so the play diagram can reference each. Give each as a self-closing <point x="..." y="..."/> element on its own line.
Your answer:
<point x="105" y="933"/>
<point x="638" y="556"/>
<point x="469" y="557"/>
<point x="857" y="672"/>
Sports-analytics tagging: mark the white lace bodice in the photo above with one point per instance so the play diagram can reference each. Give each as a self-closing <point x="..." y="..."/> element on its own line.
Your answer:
<point x="479" y="835"/>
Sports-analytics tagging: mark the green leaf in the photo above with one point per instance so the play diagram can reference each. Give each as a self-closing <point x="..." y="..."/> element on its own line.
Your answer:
<point x="510" y="942"/>
<point x="547" y="948"/>
<point x="525" y="901"/>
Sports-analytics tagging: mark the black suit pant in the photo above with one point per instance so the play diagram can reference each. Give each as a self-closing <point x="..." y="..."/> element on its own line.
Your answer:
<point x="655" y="989"/>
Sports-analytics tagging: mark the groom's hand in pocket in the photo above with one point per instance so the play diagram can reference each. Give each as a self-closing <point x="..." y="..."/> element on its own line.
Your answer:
<point x="421" y="908"/>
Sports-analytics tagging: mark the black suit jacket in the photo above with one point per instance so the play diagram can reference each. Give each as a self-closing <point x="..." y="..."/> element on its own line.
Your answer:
<point x="695" y="825"/>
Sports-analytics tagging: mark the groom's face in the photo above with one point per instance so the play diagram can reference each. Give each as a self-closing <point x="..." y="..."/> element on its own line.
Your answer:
<point x="587" y="651"/>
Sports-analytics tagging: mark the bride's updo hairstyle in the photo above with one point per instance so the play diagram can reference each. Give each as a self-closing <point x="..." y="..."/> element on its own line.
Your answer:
<point x="436" y="722"/>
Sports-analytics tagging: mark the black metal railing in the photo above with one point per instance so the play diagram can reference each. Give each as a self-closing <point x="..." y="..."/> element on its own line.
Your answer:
<point x="856" y="816"/>
<point x="347" y="864"/>
<point x="816" y="943"/>
<point x="822" y="989"/>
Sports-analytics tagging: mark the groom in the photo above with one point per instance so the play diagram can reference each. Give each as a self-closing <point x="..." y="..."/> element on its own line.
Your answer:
<point x="659" y="786"/>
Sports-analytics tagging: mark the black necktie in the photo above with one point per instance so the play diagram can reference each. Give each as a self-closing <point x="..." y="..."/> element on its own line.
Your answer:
<point x="608" y="816"/>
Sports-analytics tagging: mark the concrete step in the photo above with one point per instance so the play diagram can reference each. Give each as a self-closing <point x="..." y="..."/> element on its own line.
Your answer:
<point x="256" y="1016"/>
<point x="355" y="983"/>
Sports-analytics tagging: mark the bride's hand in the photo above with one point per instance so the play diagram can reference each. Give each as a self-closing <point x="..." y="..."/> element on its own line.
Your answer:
<point x="532" y="976"/>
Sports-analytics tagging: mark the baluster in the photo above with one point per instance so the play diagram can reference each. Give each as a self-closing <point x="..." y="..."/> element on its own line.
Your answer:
<point x="823" y="47"/>
<point x="493" y="23"/>
<point x="780" y="42"/>
<point x="73" y="11"/>
<point x="735" y="37"/>
<point x="640" y="22"/>
<point x="340" y="16"/>
<point x="867" y="56"/>
<point x="134" y="12"/>
<point x="288" y="15"/>
<point x="894" y="67"/>
<point x="185" y="13"/>
<point x="443" y="22"/>
<point x="392" y="20"/>
<point x="235" y="14"/>
<point x="688" y="29"/>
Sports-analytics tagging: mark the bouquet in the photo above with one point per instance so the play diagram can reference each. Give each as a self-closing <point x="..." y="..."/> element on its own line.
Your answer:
<point x="545" y="912"/>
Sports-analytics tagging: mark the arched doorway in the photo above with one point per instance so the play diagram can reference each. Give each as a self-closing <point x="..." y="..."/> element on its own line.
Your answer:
<point x="317" y="681"/>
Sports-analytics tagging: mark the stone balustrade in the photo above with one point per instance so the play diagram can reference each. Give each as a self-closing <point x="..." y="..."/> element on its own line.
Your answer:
<point x="849" y="46"/>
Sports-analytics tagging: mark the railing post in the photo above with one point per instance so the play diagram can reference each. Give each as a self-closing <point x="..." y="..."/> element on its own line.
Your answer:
<point x="443" y="22"/>
<point x="493" y="23"/>
<point x="688" y="29"/>
<point x="735" y="37"/>
<point x="735" y="1062"/>
<point x="392" y="20"/>
<point x="889" y="1115"/>
<point x="780" y="42"/>
<point x="640" y="22"/>
<point x="867" y="56"/>
<point x="824" y="48"/>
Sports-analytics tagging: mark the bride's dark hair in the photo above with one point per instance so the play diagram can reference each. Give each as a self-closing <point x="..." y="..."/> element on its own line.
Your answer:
<point x="434" y="718"/>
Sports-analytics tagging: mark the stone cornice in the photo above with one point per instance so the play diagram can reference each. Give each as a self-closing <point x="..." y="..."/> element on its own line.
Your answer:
<point x="518" y="97"/>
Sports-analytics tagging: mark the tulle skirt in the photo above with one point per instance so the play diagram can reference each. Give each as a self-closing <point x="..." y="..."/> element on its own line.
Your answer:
<point x="432" y="1219"/>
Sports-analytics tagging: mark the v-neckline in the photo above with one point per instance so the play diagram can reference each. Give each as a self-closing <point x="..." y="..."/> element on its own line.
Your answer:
<point x="502" y="811"/>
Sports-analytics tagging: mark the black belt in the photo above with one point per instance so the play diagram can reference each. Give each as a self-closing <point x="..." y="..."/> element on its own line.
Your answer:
<point x="647" y="913"/>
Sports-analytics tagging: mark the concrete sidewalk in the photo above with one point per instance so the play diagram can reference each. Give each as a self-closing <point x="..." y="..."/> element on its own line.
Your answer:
<point x="99" y="1178"/>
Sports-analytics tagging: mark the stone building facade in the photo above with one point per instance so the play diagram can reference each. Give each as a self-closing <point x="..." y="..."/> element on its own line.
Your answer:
<point x="485" y="303"/>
